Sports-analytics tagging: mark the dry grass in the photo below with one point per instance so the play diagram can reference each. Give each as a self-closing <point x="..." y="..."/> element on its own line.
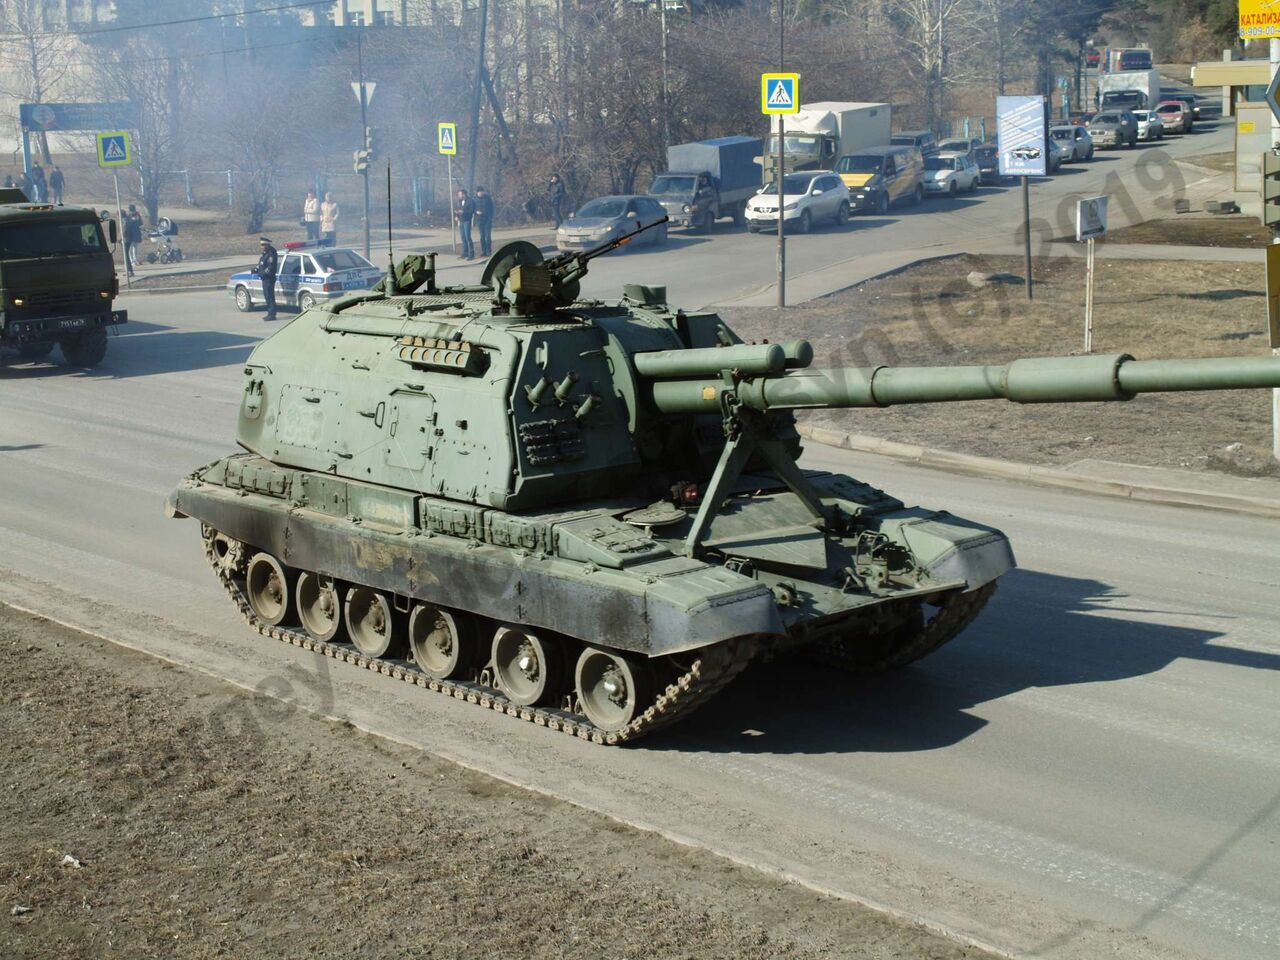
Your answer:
<point x="1197" y="231"/>
<point x="930" y="315"/>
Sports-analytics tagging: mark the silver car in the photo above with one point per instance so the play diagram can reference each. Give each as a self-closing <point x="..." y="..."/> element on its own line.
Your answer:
<point x="607" y="218"/>
<point x="1075" y="142"/>
<point x="307" y="275"/>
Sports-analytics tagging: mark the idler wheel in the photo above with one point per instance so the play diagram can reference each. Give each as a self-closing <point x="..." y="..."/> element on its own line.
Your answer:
<point x="613" y="689"/>
<point x="228" y="553"/>
<point x="443" y="643"/>
<point x="374" y="627"/>
<point x="268" y="588"/>
<point x="319" y="606"/>
<point x="529" y="668"/>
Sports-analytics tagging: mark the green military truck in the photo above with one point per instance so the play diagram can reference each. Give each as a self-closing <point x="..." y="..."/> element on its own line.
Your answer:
<point x="57" y="280"/>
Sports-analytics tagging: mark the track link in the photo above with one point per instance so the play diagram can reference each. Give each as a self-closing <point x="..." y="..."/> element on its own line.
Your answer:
<point x="714" y="668"/>
<point x="960" y="610"/>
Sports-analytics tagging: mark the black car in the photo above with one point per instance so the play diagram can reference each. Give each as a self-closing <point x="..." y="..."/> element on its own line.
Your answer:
<point x="988" y="155"/>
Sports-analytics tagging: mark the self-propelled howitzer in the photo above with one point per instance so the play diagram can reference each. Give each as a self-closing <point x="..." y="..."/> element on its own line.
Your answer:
<point x="590" y="514"/>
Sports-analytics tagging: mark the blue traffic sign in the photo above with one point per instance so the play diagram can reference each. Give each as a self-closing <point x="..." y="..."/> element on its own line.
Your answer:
<point x="113" y="149"/>
<point x="779" y="92"/>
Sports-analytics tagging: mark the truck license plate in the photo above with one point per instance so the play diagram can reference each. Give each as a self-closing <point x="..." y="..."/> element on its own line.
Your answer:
<point x="70" y="324"/>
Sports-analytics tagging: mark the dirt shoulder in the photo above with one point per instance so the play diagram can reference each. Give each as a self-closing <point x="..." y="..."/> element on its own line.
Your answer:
<point x="930" y="315"/>
<point x="207" y="822"/>
<point x="1235" y="230"/>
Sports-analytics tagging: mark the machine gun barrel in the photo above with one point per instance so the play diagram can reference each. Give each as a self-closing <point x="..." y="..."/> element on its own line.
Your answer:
<point x="580" y="258"/>
<point x="1040" y="380"/>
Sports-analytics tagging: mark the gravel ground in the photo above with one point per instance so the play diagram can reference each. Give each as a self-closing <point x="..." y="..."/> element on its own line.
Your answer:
<point x="150" y="812"/>
<point x="930" y="315"/>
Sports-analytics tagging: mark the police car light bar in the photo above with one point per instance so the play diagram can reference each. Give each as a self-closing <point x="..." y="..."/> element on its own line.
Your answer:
<point x="301" y="244"/>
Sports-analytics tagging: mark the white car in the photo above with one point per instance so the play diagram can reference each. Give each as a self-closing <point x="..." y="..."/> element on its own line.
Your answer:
<point x="1150" y="126"/>
<point x="808" y="197"/>
<point x="950" y="173"/>
<point x="1074" y="141"/>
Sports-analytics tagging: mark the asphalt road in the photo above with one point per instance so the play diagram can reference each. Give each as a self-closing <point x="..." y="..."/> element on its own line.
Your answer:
<point x="1092" y="769"/>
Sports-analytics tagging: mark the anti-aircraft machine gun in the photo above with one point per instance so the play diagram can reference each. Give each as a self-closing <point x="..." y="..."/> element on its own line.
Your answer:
<point x="590" y="514"/>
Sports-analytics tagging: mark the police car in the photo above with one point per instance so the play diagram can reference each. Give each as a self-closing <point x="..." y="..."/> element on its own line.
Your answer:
<point x="308" y="274"/>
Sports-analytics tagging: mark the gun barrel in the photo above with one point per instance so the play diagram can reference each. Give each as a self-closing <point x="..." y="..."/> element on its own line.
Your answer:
<point x="1041" y="380"/>
<point x="746" y="358"/>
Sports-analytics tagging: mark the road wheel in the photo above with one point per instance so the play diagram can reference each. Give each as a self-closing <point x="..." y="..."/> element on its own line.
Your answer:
<point x="35" y="351"/>
<point x="267" y="586"/>
<point x="151" y="257"/>
<point x="244" y="301"/>
<point x="529" y="668"/>
<point x="85" y="349"/>
<point x="708" y="222"/>
<point x="613" y="689"/>
<point x="319" y="606"/>
<point x="740" y="214"/>
<point x="660" y="236"/>
<point x="443" y="643"/>
<point x="842" y="214"/>
<point x="805" y="223"/>
<point x="953" y="189"/>
<point x="375" y="628"/>
<point x="882" y="204"/>
<point x="306" y="301"/>
<point x="917" y="198"/>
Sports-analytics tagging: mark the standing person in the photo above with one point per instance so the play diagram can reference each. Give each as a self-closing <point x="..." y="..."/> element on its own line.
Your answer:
<point x="555" y="199"/>
<point x="38" y="182"/>
<point x="268" y="262"/>
<point x="132" y="237"/>
<point x="466" y="211"/>
<point x="57" y="183"/>
<point x="24" y="184"/>
<point x="484" y="220"/>
<point x="311" y="216"/>
<point x="329" y="220"/>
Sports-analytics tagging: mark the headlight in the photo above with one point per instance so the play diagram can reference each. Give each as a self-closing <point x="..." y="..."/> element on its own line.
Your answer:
<point x="789" y="206"/>
<point x="685" y="208"/>
<point x="18" y="301"/>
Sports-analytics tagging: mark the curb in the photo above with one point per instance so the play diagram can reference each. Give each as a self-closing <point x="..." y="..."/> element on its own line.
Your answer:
<point x="1043" y="476"/>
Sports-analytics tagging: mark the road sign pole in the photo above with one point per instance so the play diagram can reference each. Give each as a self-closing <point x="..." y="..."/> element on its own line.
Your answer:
<point x="124" y="247"/>
<point x="1026" y="232"/>
<point x="1088" y="298"/>
<point x="782" y="230"/>
<point x="1274" y="45"/>
<point x="453" y="217"/>
<point x="364" y="131"/>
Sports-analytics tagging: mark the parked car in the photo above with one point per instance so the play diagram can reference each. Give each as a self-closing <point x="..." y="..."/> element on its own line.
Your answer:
<point x="607" y="218"/>
<point x="1058" y="155"/>
<point x="307" y="274"/>
<point x="922" y="140"/>
<point x="1176" y="116"/>
<point x="1082" y="118"/>
<point x="1093" y="57"/>
<point x="1150" y="126"/>
<point x="879" y="177"/>
<point x="959" y="145"/>
<point x="808" y="197"/>
<point x="1075" y="142"/>
<point x="1117" y="129"/>
<point x="988" y="158"/>
<point x="950" y="173"/>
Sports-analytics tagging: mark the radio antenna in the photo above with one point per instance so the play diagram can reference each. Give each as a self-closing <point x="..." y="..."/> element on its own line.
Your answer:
<point x="391" y="257"/>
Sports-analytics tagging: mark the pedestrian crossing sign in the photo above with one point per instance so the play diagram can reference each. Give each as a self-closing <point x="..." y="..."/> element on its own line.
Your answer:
<point x="448" y="137"/>
<point x="779" y="92"/>
<point x="113" y="149"/>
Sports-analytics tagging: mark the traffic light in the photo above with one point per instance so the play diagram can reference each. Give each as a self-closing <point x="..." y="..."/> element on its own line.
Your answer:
<point x="1270" y="189"/>
<point x="361" y="160"/>
<point x="368" y="142"/>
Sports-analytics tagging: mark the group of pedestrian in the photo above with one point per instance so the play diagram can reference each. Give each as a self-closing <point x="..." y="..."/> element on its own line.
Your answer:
<point x="477" y="209"/>
<point x="320" y="218"/>
<point x="36" y="187"/>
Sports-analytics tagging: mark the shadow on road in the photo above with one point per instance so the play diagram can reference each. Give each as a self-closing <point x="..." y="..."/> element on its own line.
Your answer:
<point x="143" y="349"/>
<point x="1040" y="630"/>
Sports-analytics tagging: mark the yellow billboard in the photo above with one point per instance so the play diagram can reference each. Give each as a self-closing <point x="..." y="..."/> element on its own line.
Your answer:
<point x="1259" y="19"/>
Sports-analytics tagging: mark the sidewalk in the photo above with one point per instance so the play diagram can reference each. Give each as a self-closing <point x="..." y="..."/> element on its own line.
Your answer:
<point x="406" y="241"/>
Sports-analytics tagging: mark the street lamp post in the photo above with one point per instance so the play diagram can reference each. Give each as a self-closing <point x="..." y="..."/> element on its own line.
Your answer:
<point x="666" y="91"/>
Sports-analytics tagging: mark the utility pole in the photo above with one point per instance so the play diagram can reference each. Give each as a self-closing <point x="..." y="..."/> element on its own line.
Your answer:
<point x="666" y="94"/>
<point x="475" y="97"/>
<point x="1274" y="50"/>
<point x="364" y="131"/>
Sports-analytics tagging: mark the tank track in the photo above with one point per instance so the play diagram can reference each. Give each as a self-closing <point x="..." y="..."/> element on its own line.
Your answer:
<point x="955" y="615"/>
<point x="715" y="668"/>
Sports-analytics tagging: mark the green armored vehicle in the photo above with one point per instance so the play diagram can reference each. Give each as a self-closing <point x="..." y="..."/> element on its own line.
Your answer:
<point x="589" y="514"/>
<point x="57" y="280"/>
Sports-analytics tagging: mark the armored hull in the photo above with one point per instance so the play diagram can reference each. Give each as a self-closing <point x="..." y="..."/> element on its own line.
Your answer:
<point x="588" y="515"/>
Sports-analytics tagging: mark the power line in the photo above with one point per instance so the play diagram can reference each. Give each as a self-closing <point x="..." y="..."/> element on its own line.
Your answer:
<point x="117" y="28"/>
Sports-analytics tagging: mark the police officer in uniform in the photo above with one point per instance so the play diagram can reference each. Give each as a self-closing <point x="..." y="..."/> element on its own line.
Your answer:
<point x="266" y="271"/>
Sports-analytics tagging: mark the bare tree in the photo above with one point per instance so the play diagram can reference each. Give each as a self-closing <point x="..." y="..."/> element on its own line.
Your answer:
<point x="935" y="36"/>
<point x="35" y="59"/>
